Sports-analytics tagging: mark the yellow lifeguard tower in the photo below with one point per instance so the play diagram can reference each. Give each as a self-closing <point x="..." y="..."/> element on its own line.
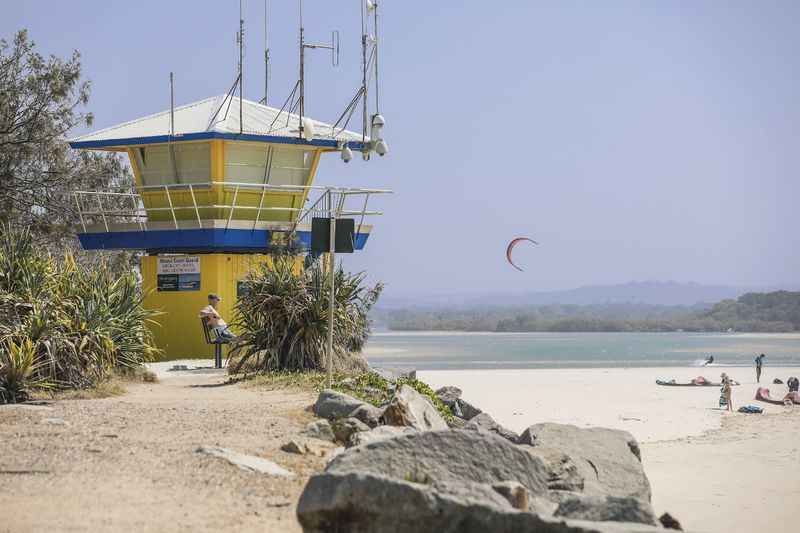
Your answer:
<point x="217" y="182"/>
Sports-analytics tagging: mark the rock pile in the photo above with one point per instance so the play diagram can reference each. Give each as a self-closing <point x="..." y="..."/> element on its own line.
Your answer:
<point x="404" y="469"/>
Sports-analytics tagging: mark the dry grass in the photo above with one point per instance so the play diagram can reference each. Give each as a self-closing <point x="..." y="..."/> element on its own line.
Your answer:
<point x="113" y="386"/>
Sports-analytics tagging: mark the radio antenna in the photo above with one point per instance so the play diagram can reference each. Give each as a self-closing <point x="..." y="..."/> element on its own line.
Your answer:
<point x="240" y="40"/>
<point x="266" y="52"/>
<point x="333" y="47"/>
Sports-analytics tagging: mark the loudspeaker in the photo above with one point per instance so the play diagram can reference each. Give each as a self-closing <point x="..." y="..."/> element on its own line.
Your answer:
<point x="321" y="235"/>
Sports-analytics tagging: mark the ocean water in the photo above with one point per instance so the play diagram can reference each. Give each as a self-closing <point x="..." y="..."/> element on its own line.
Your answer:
<point x="464" y="351"/>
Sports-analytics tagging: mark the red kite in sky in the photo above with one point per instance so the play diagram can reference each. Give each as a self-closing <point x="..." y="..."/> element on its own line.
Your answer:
<point x="511" y="246"/>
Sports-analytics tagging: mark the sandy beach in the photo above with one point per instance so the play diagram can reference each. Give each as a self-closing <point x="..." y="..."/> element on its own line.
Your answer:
<point x="715" y="471"/>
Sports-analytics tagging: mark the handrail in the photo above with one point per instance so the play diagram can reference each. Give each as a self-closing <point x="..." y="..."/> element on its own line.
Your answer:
<point x="330" y="204"/>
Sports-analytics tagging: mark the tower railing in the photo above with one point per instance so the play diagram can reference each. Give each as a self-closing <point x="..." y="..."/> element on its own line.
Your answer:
<point x="108" y="208"/>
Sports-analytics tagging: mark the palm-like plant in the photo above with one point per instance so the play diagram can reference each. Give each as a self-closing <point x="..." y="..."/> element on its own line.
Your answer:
<point x="81" y="322"/>
<point x="284" y="318"/>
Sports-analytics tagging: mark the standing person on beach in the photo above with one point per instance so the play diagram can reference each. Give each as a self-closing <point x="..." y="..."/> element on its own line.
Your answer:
<point x="725" y="393"/>
<point x="759" y="362"/>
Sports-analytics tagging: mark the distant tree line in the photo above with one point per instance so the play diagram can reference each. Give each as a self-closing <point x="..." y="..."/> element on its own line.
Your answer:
<point x="752" y="312"/>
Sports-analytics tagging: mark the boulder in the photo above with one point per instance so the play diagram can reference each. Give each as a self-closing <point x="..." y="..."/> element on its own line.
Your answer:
<point x="332" y="404"/>
<point x="445" y="456"/>
<point x="515" y="493"/>
<point x="562" y="473"/>
<point x="484" y="422"/>
<point x="606" y="509"/>
<point x="670" y="522"/>
<point x="379" y="433"/>
<point x="320" y="429"/>
<point x="306" y="446"/>
<point x="369" y="503"/>
<point x="410" y="408"/>
<point x="368" y="414"/>
<point x="607" y="459"/>
<point x="468" y="411"/>
<point x="448" y="395"/>
<point x="345" y="427"/>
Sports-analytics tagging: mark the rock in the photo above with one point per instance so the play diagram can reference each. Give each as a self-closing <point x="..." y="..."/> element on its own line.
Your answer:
<point x="320" y="429"/>
<point x="515" y="493"/>
<point x="393" y="373"/>
<point x="456" y="423"/>
<point x="332" y="404"/>
<point x="249" y="463"/>
<point x="606" y="509"/>
<point x="562" y="473"/>
<point x="304" y="447"/>
<point x="345" y="427"/>
<point x="379" y="433"/>
<point x="607" y="459"/>
<point x="368" y="414"/>
<point x="484" y="422"/>
<point x="468" y="410"/>
<point x="669" y="522"/>
<point x="369" y="503"/>
<point x="294" y="446"/>
<point x="410" y="408"/>
<point x="448" y="395"/>
<point x="444" y="456"/>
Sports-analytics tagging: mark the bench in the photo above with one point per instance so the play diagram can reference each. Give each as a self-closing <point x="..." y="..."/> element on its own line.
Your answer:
<point x="212" y="337"/>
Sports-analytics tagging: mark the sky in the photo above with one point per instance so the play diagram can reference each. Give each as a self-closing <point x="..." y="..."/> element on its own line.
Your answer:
<point x="632" y="140"/>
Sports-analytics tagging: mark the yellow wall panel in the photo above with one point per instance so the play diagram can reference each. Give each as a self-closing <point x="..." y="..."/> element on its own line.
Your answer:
<point x="179" y="332"/>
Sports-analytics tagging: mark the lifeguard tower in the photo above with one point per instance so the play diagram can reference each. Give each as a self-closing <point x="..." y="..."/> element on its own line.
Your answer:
<point x="209" y="202"/>
<point x="221" y="181"/>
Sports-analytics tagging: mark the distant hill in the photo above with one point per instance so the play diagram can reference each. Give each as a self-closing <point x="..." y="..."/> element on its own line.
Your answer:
<point x="670" y="293"/>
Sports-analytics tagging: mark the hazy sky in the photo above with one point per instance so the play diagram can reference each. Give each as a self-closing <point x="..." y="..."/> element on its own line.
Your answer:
<point x="634" y="140"/>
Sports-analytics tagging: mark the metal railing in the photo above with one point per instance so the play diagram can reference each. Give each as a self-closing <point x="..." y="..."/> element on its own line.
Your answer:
<point x="130" y="207"/>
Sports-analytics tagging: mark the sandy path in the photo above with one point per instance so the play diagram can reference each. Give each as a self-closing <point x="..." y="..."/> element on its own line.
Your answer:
<point x="129" y="463"/>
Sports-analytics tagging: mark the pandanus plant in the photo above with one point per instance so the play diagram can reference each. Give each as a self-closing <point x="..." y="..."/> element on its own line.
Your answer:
<point x="65" y="324"/>
<point x="283" y="317"/>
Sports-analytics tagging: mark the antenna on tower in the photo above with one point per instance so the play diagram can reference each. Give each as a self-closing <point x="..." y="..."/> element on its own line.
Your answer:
<point x="240" y="41"/>
<point x="333" y="47"/>
<point x="266" y="52"/>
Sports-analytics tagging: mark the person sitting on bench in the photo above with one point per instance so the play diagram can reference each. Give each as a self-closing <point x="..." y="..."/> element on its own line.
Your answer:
<point x="214" y="320"/>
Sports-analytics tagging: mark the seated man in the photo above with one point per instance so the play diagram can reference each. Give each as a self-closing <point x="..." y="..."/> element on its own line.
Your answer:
<point x="213" y="318"/>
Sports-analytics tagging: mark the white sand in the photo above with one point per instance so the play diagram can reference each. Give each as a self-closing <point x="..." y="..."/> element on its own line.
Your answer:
<point x="714" y="471"/>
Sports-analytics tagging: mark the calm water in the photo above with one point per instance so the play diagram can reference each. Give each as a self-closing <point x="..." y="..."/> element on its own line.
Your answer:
<point x="456" y="351"/>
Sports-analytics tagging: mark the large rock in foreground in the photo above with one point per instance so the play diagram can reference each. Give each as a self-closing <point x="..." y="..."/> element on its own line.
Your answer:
<point x="607" y="459"/>
<point x="368" y="503"/>
<point x="608" y="509"/>
<point x="410" y="408"/>
<point x="449" y="455"/>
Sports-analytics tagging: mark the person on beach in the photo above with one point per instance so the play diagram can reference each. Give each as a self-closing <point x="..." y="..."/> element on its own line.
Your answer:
<point x="725" y="393"/>
<point x="214" y="319"/>
<point x="759" y="362"/>
<point x="709" y="360"/>
<point x="793" y="383"/>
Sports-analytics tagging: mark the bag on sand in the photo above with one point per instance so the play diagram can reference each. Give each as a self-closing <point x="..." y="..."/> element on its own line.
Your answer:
<point x="750" y="409"/>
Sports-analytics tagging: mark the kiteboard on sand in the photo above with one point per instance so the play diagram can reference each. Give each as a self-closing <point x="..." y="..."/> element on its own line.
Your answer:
<point x="699" y="381"/>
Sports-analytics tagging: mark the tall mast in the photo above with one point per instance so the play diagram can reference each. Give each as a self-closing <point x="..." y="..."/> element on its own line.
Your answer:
<point x="302" y="70"/>
<point x="241" y="57"/>
<point x="266" y="52"/>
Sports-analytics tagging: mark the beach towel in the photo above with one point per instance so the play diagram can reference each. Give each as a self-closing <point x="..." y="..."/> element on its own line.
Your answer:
<point x="750" y="409"/>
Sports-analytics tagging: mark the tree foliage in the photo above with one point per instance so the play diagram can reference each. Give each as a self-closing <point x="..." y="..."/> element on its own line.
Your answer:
<point x="761" y="312"/>
<point x="41" y="101"/>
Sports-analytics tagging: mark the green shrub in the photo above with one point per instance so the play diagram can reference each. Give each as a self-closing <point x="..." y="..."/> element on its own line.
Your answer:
<point x="283" y="317"/>
<point x="63" y="324"/>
